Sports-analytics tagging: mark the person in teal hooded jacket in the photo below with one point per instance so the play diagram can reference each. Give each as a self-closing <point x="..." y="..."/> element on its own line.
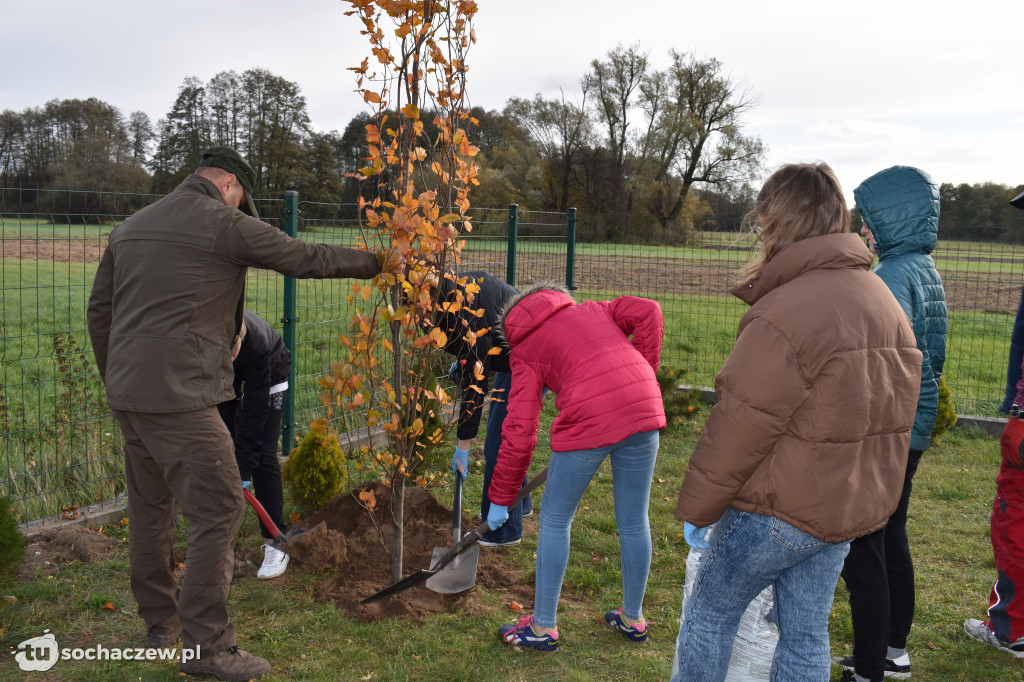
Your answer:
<point x="900" y="208"/>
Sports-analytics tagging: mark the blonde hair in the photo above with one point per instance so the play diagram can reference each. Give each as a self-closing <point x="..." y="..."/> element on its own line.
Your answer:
<point x="798" y="201"/>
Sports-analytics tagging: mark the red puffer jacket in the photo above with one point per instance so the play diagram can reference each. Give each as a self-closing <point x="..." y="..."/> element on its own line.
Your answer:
<point x="605" y="384"/>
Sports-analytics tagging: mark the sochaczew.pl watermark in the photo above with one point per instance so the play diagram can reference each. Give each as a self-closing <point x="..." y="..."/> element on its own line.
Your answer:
<point x="39" y="654"/>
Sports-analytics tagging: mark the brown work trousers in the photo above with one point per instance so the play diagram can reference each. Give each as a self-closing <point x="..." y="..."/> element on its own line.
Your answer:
<point x="186" y="460"/>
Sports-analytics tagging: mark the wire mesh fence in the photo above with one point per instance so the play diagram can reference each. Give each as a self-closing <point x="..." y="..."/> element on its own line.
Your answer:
<point x="60" y="447"/>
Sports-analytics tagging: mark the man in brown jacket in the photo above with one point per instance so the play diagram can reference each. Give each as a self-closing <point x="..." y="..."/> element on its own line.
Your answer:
<point x="165" y="307"/>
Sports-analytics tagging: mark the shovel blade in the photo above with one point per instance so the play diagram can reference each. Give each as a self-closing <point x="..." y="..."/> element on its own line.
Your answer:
<point x="281" y="541"/>
<point x="469" y="540"/>
<point x="457" y="576"/>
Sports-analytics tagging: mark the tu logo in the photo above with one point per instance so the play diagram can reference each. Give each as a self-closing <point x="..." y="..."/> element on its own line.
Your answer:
<point x="38" y="653"/>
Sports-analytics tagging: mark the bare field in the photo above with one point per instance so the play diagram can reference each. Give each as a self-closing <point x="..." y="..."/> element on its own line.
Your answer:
<point x="63" y="251"/>
<point x="971" y="291"/>
<point x="965" y="291"/>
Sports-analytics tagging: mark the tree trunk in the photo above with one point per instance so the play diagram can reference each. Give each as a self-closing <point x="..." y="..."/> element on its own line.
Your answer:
<point x="398" y="538"/>
<point x="398" y="441"/>
<point x="677" y="207"/>
<point x="564" y="203"/>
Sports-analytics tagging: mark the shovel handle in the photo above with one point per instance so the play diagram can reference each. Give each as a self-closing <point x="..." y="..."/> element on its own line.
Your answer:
<point x="275" y="532"/>
<point x="473" y="536"/>
<point x="457" y="507"/>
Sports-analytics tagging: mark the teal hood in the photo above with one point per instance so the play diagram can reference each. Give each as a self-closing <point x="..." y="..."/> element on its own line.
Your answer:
<point x="901" y="208"/>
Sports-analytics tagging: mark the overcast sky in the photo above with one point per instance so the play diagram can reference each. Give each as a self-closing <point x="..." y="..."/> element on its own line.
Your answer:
<point x="860" y="85"/>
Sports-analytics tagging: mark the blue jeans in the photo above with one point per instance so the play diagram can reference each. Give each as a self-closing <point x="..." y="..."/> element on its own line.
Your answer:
<point x="497" y="409"/>
<point x="569" y="474"/>
<point x="747" y="553"/>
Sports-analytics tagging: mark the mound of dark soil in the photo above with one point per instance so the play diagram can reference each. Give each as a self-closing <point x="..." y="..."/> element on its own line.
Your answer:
<point x="360" y="540"/>
<point x="45" y="554"/>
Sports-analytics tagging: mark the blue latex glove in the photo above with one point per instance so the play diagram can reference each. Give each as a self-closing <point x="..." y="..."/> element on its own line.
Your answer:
<point x="453" y="371"/>
<point x="460" y="457"/>
<point x="695" y="536"/>
<point x="245" y="485"/>
<point x="496" y="516"/>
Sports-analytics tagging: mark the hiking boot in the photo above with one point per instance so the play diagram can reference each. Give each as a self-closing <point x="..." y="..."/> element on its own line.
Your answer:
<point x="898" y="669"/>
<point x="230" y="665"/>
<point x="163" y="636"/>
<point x="980" y="630"/>
<point x="522" y="634"/>
<point x="274" y="563"/>
<point x="637" y="633"/>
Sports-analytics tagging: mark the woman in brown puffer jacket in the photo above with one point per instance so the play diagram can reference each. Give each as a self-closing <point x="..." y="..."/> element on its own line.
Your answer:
<point x="805" y="447"/>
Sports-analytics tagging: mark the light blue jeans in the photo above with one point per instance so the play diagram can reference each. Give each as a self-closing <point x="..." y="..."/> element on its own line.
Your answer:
<point x="747" y="553"/>
<point x="569" y="474"/>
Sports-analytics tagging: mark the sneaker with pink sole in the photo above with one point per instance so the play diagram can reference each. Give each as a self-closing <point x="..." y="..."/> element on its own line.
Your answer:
<point x="637" y="633"/>
<point x="522" y="634"/>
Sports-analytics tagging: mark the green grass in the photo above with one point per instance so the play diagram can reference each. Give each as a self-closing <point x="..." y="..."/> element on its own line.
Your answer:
<point x="310" y="640"/>
<point x="48" y="425"/>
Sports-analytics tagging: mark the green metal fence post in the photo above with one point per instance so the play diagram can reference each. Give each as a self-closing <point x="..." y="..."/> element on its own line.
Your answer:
<point x="510" y="261"/>
<point x="288" y="324"/>
<point x="570" y="252"/>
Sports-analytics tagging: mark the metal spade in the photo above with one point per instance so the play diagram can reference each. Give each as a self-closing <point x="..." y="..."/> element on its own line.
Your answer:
<point x="463" y="545"/>
<point x="460" y="574"/>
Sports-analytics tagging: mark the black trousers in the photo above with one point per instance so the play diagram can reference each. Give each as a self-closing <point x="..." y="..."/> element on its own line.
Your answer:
<point x="267" y="486"/>
<point x="879" y="575"/>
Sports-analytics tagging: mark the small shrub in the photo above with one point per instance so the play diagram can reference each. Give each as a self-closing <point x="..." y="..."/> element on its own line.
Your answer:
<point x="946" y="418"/>
<point x="680" y="406"/>
<point x="315" y="471"/>
<point x="12" y="543"/>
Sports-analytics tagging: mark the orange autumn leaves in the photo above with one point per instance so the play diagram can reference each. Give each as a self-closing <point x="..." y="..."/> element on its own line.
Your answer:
<point x="413" y="204"/>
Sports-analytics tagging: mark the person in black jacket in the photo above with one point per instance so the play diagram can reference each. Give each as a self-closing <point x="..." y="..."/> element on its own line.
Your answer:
<point x="490" y="295"/>
<point x="262" y="365"/>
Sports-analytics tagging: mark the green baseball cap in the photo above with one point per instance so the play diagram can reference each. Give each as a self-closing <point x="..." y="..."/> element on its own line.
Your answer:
<point x="230" y="160"/>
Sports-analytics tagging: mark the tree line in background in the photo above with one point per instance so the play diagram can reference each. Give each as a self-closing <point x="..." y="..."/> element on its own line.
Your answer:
<point x="662" y="150"/>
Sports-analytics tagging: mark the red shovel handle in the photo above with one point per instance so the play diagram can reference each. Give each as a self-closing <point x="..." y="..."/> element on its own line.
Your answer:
<point x="264" y="516"/>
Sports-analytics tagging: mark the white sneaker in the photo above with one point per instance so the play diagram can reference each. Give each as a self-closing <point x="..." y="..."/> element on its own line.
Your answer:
<point x="274" y="563"/>
<point x="979" y="630"/>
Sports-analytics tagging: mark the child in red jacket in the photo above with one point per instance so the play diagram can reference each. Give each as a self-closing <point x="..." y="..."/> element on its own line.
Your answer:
<point x="1004" y="628"/>
<point x="600" y="359"/>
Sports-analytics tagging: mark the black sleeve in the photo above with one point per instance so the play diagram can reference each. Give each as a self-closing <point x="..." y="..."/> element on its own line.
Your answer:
<point x="474" y="391"/>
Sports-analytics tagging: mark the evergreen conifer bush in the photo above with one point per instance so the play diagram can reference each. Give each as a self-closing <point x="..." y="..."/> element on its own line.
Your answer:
<point x="946" y="418"/>
<point x="680" y="406"/>
<point x="315" y="470"/>
<point x="12" y="543"/>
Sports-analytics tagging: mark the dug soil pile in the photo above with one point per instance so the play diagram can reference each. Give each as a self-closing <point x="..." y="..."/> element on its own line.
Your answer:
<point x="45" y="554"/>
<point x="355" y="541"/>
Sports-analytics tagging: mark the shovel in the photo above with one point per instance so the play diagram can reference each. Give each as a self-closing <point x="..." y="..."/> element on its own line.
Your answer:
<point x="279" y="540"/>
<point x="461" y="546"/>
<point x="460" y="574"/>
